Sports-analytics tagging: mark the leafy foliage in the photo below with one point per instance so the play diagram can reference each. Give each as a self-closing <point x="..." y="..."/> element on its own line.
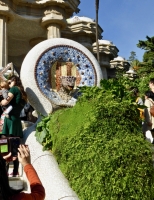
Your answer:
<point x="43" y="133"/>
<point x="147" y="45"/>
<point x="132" y="56"/>
<point x="143" y="83"/>
<point x="99" y="144"/>
<point x="147" y="66"/>
<point x="145" y="69"/>
<point x="148" y="56"/>
<point x="134" y="62"/>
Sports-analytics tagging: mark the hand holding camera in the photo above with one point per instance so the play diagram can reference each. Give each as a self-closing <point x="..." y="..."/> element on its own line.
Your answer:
<point x="24" y="155"/>
<point x="11" y="148"/>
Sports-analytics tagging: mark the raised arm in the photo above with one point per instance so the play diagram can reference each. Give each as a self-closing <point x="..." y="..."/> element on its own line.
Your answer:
<point x="6" y="101"/>
<point x="37" y="190"/>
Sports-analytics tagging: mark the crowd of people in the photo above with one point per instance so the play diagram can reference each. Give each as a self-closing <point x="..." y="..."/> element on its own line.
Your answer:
<point x="13" y="103"/>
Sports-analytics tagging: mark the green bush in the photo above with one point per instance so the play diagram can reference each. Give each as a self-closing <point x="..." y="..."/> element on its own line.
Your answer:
<point x="42" y="134"/>
<point x="101" y="151"/>
<point x="143" y="83"/>
<point x="100" y="147"/>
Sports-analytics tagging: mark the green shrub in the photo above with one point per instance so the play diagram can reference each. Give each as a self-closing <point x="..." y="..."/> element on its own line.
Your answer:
<point x="42" y="134"/>
<point x="100" y="147"/>
<point x="143" y="83"/>
<point x="101" y="151"/>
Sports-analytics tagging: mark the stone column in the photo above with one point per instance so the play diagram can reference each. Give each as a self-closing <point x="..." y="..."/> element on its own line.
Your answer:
<point x="104" y="72"/>
<point x="54" y="21"/>
<point x="53" y="31"/>
<point x="3" y="41"/>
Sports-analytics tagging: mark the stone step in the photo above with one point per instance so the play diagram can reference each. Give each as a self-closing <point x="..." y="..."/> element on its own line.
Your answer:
<point x="16" y="182"/>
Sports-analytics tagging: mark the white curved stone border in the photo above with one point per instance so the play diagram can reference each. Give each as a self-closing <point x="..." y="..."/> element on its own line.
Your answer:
<point x="55" y="184"/>
<point x="35" y="96"/>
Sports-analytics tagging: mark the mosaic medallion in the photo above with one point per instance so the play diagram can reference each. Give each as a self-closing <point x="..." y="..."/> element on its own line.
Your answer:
<point x="53" y="71"/>
<point x="62" y="61"/>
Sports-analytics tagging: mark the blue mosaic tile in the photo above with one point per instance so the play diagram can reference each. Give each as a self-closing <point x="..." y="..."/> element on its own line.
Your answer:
<point x="63" y="53"/>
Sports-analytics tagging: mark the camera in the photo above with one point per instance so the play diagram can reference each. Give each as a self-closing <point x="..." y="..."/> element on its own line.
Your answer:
<point x="9" y="144"/>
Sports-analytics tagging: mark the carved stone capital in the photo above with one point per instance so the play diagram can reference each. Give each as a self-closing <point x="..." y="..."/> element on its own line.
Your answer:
<point x="52" y="11"/>
<point x="37" y="7"/>
<point x="2" y="3"/>
<point x="5" y="11"/>
<point x="53" y="16"/>
<point x="108" y="49"/>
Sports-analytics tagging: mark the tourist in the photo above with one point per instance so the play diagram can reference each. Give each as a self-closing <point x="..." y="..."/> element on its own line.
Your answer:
<point x="12" y="126"/>
<point x="37" y="190"/>
<point x="4" y="86"/>
<point x="135" y="93"/>
<point x="138" y="99"/>
<point x="149" y="120"/>
<point x="4" y="90"/>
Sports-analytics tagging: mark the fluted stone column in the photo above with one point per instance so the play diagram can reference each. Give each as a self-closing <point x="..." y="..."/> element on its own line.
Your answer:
<point x="53" y="31"/>
<point x="54" y="21"/>
<point x="3" y="41"/>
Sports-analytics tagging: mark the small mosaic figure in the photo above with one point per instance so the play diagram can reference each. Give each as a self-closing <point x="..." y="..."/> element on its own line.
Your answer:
<point x="67" y="85"/>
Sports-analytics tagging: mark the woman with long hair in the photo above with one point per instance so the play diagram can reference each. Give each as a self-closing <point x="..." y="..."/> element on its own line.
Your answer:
<point x="12" y="125"/>
<point x="7" y="193"/>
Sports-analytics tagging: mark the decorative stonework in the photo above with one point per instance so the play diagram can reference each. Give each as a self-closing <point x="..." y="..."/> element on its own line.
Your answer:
<point x="47" y="62"/>
<point x="63" y="60"/>
<point x="54" y="20"/>
<point x="48" y="12"/>
<point x="120" y="63"/>
<point x="106" y="47"/>
<point x="83" y="30"/>
<point x="2" y="3"/>
<point x="6" y="12"/>
<point x="66" y="87"/>
<point x="75" y="19"/>
<point x="37" y="7"/>
<point x="117" y="63"/>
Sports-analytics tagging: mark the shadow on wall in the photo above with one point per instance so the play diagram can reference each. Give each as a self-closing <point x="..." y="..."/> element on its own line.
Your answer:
<point x="34" y="101"/>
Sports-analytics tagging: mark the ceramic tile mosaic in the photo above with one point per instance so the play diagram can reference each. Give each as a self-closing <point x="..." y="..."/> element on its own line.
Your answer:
<point x="63" y="54"/>
<point x="47" y="62"/>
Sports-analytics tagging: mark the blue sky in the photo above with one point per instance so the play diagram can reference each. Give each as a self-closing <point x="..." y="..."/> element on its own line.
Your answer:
<point x="124" y="22"/>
